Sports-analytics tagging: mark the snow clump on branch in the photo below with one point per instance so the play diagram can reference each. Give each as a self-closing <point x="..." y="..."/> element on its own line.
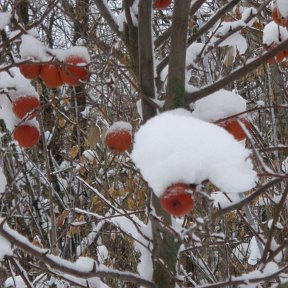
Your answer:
<point x="176" y="147"/>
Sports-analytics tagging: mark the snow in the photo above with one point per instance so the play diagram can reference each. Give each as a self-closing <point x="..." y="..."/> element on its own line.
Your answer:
<point x="102" y="253"/>
<point x="241" y="251"/>
<point x="273" y="33"/>
<point x="176" y="147"/>
<point x="255" y="254"/>
<point x="224" y="200"/>
<point x="121" y="17"/>
<point x="6" y="248"/>
<point x="80" y="51"/>
<point x="284" y="165"/>
<point x="282" y="7"/>
<point x="4" y="19"/>
<point x="33" y="48"/>
<point x="278" y="225"/>
<point x="192" y="53"/>
<point x="3" y="181"/>
<point x="19" y="282"/>
<point x="270" y="268"/>
<point x="236" y="40"/>
<point x="14" y="85"/>
<point x="219" y="105"/>
<point x="246" y="13"/>
<point x="90" y="155"/>
<point x="120" y="126"/>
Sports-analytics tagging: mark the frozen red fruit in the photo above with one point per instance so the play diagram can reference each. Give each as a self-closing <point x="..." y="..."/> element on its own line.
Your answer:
<point x="74" y="70"/>
<point x="26" y="135"/>
<point x="233" y="127"/>
<point x="178" y="199"/>
<point x="24" y="105"/>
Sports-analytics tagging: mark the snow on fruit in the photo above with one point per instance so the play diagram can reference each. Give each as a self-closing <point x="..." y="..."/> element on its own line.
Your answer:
<point x="160" y="4"/>
<point x="118" y="137"/>
<point x="274" y="35"/>
<point x="220" y="105"/>
<point x="26" y="135"/>
<point x="74" y="70"/>
<point x="19" y="102"/>
<point x="280" y="13"/>
<point x="178" y="199"/>
<point x="175" y="147"/>
<point x="24" y="105"/>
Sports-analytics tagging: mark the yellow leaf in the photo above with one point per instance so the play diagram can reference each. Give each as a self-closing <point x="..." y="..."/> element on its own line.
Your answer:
<point x="94" y="136"/>
<point x="229" y="57"/>
<point x="74" y="152"/>
<point x="61" y="122"/>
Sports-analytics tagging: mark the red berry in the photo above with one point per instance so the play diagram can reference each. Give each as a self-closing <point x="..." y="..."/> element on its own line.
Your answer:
<point x="51" y="76"/>
<point x="25" y="104"/>
<point x="26" y="135"/>
<point x="160" y="4"/>
<point x="233" y="127"/>
<point x="74" y="71"/>
<point x="30" y="70"/>
<point x="118" y="140"/>
<point x="178" y="199"/>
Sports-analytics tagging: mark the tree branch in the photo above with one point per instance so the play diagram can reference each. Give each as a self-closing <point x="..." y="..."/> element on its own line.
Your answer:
<point x="65" y="266"/>
<point x="236" y="74"/>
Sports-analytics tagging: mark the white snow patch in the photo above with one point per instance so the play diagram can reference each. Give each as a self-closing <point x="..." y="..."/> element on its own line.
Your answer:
<point x="90" y="155"/>
<point x="236" y="40"/>
<point x="192" y="53"/>
<point x="223" y="200"/>
<point x="4" y="19"/>
<point x="19" y="282"/>
<point x="102" y="253"/>
<point x="120" y="126"/>
<point x="218" y="105"/>
<point x="248" y="250"/>
<point x="282" y="7"/>
<point x="273" y="33"/>
<point x="255" y="254"/>
<point x="6" y="248"/>
<point x="175" y="147"/>
<point x="79" y="51"/>
<point x="3" y="181"/>
<point x="14" y="85"/>
<point x="285" y="165"/>
<point x="33" y="48"/>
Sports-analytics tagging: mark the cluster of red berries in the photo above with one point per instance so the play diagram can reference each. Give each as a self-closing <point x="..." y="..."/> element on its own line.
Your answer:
<point x="24" y="108"/>
<point x="72" y="71"/>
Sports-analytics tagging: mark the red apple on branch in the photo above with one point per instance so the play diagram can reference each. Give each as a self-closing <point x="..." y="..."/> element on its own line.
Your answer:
<point x="74" y="70"/>
<point x="26" y="135"/>
<point x="178" y="199"/>
<point x="24" y="105"/>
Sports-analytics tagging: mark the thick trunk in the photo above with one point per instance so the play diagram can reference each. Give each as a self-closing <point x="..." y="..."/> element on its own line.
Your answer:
<point x="176" y="75"/>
